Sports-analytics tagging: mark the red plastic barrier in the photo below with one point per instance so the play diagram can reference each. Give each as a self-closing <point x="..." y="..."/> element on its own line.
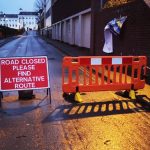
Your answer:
<point x="107" y="73"/>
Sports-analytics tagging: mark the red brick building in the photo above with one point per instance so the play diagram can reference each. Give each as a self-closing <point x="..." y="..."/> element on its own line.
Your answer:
<point x="82" y="24"/>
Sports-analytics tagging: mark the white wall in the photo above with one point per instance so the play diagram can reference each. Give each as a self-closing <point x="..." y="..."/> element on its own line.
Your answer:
<point x="86" y="30"/>
<point x="53" y="32"/>
<point x="60" y="35"/>
<point x="29" y="21"/>
<point x="76" y="32"/>
<point x="10" y="22"/>
<point x="48" y="22"/>
<point x="63" y="29"/>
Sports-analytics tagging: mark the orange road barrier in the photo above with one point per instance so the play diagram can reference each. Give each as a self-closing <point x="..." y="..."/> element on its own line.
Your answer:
<point x="103" y="73"/>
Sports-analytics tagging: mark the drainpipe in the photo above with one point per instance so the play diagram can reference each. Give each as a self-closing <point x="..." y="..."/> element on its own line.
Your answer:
<point x="44" y="13"/>
<point x="95" y="9"/>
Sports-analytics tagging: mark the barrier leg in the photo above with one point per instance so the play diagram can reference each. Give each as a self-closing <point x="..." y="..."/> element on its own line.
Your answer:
<point x="132" y="92"/>
<point x="78" y="96"/>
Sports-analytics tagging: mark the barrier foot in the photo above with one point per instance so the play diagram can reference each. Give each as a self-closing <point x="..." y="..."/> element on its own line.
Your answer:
<point x="132" y="94"/>
<point x="65" y="95"/>
<point x="126" y="93"/>
<point x="78" y="97"/>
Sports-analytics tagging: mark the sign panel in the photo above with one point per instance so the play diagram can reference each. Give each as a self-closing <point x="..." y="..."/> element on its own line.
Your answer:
<point x="24" y="73"/>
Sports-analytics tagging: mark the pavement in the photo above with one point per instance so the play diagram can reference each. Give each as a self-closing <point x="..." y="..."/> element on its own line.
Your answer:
<point x="68" y="49"/>
<point x="6" y="40"/>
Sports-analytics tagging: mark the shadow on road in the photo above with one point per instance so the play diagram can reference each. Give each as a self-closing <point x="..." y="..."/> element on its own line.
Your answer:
<point x="85" y="110"/>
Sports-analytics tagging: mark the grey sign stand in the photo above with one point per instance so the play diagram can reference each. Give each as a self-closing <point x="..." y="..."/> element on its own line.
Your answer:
<point x="49" y="93"/>
<point x="1" y="97"/>
<point x="42" y="61"/>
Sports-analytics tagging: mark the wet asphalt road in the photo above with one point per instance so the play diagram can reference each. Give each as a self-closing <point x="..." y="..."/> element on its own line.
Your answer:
<point x="104" y="121"/>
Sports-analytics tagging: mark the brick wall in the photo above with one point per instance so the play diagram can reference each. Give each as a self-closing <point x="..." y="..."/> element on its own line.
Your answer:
<point x="135" y="35"/>
<point x="65" y="8"/>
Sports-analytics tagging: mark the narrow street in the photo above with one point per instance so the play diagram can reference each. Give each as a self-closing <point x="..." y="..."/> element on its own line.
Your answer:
<point x="104" y="121"/>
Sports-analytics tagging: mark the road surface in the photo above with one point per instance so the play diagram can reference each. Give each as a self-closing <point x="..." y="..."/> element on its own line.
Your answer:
<point x="104" y="121"/>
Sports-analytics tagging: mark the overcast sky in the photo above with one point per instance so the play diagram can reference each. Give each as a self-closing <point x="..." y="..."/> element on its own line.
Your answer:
<point x="13" y="6"/>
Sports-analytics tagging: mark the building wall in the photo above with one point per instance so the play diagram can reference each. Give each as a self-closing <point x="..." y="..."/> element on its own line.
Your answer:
<point x="74" y="30"/>
<point x="26" y="21"/>
<point x="86" y="30"/>
<point x="68" y="8"/>
<point x="77" y="31"/>
<point x="10" y="22"/>
<point x="135" y="34"/>
<point x="48" y="13"/>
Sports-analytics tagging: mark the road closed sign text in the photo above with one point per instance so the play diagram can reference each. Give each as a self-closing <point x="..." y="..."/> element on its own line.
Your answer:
<point x="24" y="73"/>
